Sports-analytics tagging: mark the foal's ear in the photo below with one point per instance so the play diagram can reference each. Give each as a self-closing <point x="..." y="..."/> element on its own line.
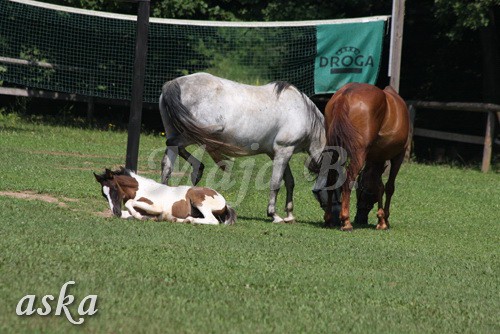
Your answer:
<point x="109" y="174"/>
<point x="99" y="178"/>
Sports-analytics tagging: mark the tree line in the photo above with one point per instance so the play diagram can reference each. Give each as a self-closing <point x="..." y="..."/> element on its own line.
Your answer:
<point x="450" y="47"/>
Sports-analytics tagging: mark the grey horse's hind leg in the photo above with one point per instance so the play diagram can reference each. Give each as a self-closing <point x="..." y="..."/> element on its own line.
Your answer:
<point x="280" y="162"/>
<point x="197" y="165"/>
<point x="175" y="147"/>
<point x="167" y="163"/>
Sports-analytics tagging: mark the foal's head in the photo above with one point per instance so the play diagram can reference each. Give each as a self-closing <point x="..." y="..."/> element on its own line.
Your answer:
<point x="117" y="187"/>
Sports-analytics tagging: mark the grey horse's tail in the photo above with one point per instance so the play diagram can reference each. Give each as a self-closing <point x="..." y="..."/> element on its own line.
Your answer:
<point x="172" y="109"/>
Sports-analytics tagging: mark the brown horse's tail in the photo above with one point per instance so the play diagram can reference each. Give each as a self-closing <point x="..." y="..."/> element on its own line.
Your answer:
<point x="343" y="134"/>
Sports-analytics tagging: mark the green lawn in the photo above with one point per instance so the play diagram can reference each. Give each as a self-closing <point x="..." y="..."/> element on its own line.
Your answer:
<point x="436" y="270"/>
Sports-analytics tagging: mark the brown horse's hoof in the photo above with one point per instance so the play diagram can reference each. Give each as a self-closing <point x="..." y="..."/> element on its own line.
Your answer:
<point x="382" y="227"/>
<point x="347" y="228"/>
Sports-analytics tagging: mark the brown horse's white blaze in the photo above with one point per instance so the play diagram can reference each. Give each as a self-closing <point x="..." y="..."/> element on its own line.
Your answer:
<point x="145" y="198"/>
<point x="372" y="126"/>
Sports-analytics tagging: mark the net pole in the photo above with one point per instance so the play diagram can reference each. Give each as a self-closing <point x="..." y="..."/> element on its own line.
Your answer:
<point x="397" y="22"/>
<point x="141" y="48"/>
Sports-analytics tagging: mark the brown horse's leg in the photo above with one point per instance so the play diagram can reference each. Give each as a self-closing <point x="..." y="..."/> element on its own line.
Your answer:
<point x="369" y="191"/>
<point x="389" y="191"/>
<point x="383" y="223"/>
<point x="353" y="170"/>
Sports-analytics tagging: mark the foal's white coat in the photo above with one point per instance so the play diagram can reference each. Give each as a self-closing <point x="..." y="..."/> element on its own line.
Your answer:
<point x="159" y="200"/>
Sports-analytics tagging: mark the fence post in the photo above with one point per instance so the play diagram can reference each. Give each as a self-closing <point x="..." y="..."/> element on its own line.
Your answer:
<point x="412" y="112"/>
<point x="134" y="123"/>
<point x="488" y="141"/>
<point x="397" y="22"/>
<point x="90" y="109"/>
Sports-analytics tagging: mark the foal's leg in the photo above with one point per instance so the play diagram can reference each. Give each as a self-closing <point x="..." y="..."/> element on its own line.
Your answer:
<point x="280" y="162"/>
<point x="208" y="216"/>
<point x="289" y="184"/>
<point x="390" y="187"/>
<point x="132" y="205"/>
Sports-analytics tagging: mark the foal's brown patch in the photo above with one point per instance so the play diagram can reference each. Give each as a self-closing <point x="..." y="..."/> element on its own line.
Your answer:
<point x="197" y="195"/>
<point x="220" y="212"/>
<point x="145" y="200"/>
<point x="194" y="198"/>
<point x="128" y="186"/>
<point x="181" y="209"/>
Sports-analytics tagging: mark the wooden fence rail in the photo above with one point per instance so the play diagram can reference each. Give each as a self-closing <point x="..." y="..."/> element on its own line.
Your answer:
<point x="488" y="141"/>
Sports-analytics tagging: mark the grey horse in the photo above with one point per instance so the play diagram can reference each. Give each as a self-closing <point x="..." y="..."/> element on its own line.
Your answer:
<point x="233" y="119"/>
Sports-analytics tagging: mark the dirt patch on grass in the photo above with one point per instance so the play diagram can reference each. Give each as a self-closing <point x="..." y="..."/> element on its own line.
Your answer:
<point x="31" y="195"/>
<point x="107" y="213"/>
<point x="62" y="202"/>
<point x="75" y="154"/>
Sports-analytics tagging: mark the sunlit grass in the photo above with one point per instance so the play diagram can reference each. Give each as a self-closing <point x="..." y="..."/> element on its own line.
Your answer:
<point x="436" y="270"/>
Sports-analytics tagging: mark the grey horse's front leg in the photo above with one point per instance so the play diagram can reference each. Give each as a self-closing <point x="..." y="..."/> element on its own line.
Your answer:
<point x="280" y="163"/>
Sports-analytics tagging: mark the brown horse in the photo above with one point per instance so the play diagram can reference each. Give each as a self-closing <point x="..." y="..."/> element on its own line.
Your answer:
<point x="370" y="126"/>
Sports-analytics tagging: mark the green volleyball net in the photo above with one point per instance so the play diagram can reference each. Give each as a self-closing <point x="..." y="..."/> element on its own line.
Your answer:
<point x="91" y="53"/>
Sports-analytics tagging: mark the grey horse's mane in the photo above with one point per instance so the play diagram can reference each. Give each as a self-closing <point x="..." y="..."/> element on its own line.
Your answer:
<point x="315" y="117"/>
<point x="280" y="86"/>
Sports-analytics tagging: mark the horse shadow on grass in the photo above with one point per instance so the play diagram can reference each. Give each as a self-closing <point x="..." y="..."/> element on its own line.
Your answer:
<point x="314" y="223"/>
<point x="321" y="224"/>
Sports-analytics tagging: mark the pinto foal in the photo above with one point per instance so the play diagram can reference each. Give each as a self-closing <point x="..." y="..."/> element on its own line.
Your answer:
<point x="145" y="198"/>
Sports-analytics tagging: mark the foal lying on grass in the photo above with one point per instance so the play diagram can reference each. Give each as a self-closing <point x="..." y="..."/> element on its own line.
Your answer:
<point x="145" y="198"/>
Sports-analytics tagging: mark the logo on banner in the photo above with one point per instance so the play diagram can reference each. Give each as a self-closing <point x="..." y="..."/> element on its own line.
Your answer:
<point x="347" y="59"/>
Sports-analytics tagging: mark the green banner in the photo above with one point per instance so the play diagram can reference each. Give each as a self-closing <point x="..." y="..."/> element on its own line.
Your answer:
<point x="348" y="52"/>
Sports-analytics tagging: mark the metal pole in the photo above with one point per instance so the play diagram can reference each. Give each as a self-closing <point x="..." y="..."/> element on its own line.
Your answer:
<point x="141" y="48"/>
<point x="397" y="21"/>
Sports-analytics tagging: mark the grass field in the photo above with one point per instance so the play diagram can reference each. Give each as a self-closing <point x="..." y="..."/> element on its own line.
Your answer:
<point x="436" y="270"/>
